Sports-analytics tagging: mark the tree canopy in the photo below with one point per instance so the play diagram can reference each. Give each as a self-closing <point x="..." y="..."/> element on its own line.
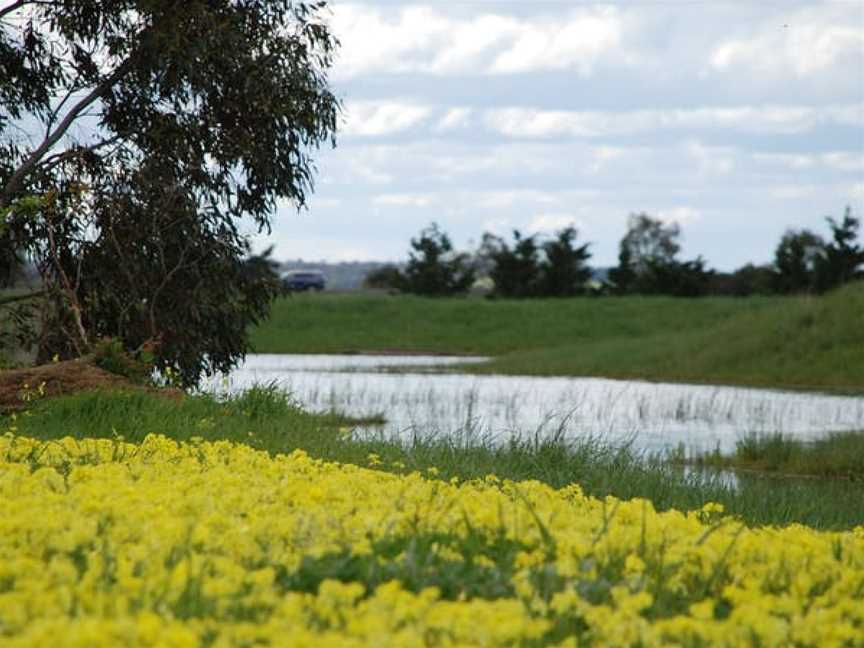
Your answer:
<point x="650" y="241"/>
<point x="514" y="270"/>
<point x="648" y="261"/>
<point x="795" y="260"/>
<point x="536" y="266"/>
<point x="149" y="130"/>
<point x="843" y="256"/>
<point x="434" y="268"/>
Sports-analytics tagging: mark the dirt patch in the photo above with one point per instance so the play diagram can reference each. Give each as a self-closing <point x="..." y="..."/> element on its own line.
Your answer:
<point x="19" y="387"/>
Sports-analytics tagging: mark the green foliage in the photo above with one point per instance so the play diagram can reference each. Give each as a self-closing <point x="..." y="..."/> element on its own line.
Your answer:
<point x="843" y="257"/>
<point x="745" y="281"/>
<point x="648" y="263"/>
<point x="795" y="260"/>
<point x="676" y="278"/>
<point x="564" y="270"/>
<point x="208" y="114"/>
<point x="530" y="268"/>
<point x="110" y="355"/>
<point x="623" y="276"/>
<point x="386" y="277"/>
<point x="516" y="270"/>
<point x="805" y="262"/>
<point x="650" y="241"/>
<point x="11" y="248"/>
<point x="434" y="269"/>
<point x="840" y="455"/>
<point x="18" y="323"/>
<point x="261" y="268"/>
<point x="18" y="309"/>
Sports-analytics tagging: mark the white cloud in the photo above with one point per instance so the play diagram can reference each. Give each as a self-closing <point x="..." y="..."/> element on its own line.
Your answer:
<point x="792" y="192"/>
<point x="289" y="245"/>
<point x="324" y="203"/>
<point x="711" y="160"/>
<point x="791" y="161"/>
<point x="364" y="172"/>
<point x="551" y="222"/>
<point x="498" y="226"/>
<point x="469" y="44"/>
<point x="509" y="198"/>
<point x="422" y="39"/>
<point x="454" y="118"/>
<point x="531" y="122"/>
<point x="371" y="118"/>
<point x="372" y="41"/>
<point x="848" y="115"/>
<point x="575" y="43"/>
<point x="404" y="200"/>
<point x="526" y="122"/>
<point x="843" y="161"/>
<point x="602" y="156"/>
<point x="805" y="42"/>
<point x="679" y="215"/>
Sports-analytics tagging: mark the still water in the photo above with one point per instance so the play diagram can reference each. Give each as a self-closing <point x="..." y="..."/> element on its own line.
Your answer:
<point x="423" y="396"/>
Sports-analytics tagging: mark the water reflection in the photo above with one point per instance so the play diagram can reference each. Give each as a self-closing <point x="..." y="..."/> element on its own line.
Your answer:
<point x="422" y="398"/>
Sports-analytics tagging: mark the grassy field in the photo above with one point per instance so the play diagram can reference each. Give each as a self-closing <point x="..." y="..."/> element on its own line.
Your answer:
<point x="796" y="342"/>
<point x="265" y="420"/>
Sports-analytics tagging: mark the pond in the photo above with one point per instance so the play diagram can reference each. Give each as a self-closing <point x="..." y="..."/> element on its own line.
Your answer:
<point x="424" y="396"/>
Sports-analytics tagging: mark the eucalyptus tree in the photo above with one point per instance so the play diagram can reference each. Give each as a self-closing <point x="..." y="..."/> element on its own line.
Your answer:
<point x="156" y="135"/>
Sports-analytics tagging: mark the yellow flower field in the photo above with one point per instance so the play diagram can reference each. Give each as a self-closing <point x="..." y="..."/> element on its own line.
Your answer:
<point x="104" y="543"/>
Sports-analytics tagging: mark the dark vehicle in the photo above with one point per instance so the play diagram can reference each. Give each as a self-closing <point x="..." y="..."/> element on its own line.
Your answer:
<point x="300" y="280"/>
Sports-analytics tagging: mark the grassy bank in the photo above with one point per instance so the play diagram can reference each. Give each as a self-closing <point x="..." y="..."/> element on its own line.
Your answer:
<point x="838" y="456"/>
<point x="796" y="342"/>
<point x="266" y="420"/>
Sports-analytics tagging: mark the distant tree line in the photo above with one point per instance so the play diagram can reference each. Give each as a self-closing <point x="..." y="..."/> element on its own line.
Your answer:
<point x="648" y="264"/>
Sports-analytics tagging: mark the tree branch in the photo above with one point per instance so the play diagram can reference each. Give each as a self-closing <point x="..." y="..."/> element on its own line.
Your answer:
<point x="52" y="138"/>
<point x="58" y="158"/>
<point x="13" y="7"/>
<point x="55" y="113"/>
<point x="71" y="295"/>
<point x="23" y="3"/>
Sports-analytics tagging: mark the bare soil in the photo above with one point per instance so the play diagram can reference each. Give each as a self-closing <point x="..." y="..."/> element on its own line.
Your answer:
<point x="19" y="387"/>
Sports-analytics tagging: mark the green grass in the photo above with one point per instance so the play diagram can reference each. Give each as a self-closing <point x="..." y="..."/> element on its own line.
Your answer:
<point x="838" y="456"/>
<point x="266" y="419"/>
<point x="796" y="342"/>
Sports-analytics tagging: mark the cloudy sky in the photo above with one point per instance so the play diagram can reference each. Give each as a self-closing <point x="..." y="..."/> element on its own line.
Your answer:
<point x="735" y="119"/>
